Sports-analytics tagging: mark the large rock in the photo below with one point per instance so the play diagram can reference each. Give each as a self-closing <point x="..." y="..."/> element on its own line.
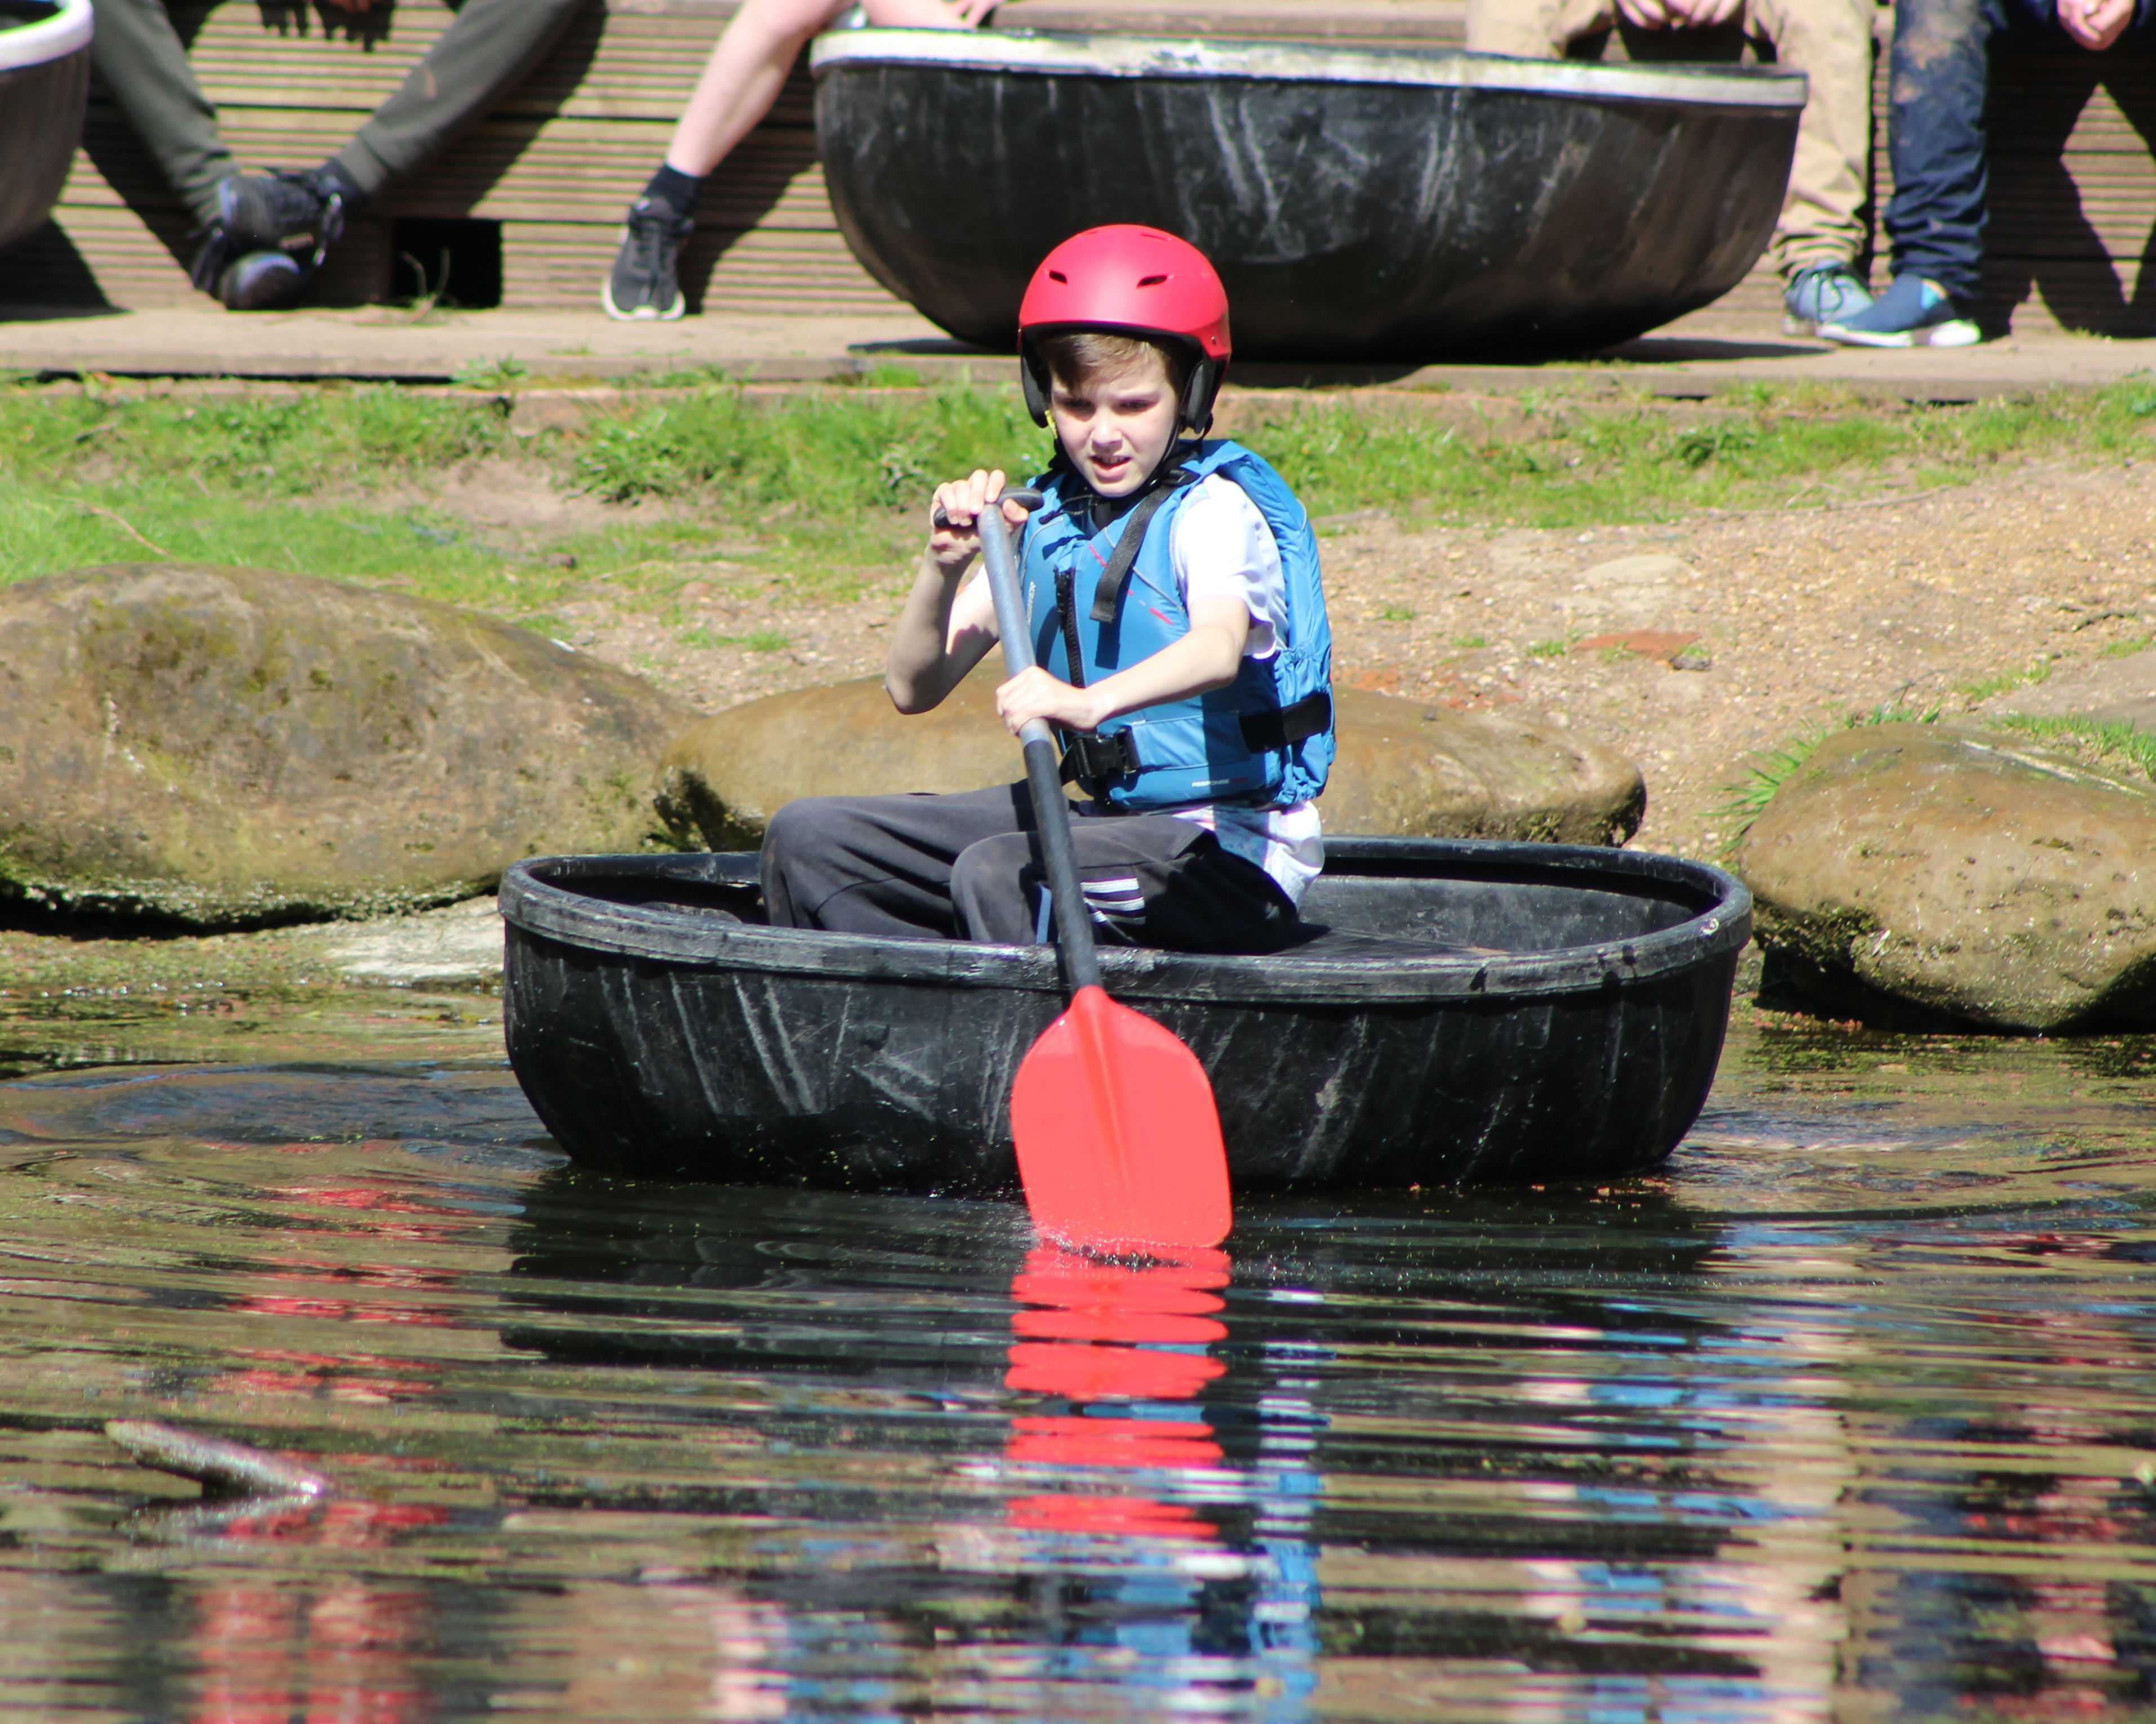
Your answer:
<point x="223" y="746"/>
<point x="1976" y="876"/>
<point x="1403" y="767"/>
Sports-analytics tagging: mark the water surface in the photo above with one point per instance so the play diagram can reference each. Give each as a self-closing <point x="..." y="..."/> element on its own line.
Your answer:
<point x="1852" y="1409"/>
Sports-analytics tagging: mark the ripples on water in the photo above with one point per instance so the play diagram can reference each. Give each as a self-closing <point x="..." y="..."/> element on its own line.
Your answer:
<point x="1851" y="1409"/>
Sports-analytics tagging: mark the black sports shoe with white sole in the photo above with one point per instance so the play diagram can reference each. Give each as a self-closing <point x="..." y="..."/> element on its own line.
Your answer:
<point x="646" y="280"/>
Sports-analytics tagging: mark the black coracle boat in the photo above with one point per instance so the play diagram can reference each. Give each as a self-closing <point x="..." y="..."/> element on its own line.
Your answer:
<point x="1462" y="1009"/>
<point x="44" y="91"/>
<point x="1391" y="205"/>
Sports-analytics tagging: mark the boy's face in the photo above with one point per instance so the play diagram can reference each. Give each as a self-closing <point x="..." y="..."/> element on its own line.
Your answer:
<point x="1116" y="425"/>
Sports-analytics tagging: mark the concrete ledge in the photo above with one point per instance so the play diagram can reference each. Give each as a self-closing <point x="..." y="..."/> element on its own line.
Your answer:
<point x="1695" y="359"/>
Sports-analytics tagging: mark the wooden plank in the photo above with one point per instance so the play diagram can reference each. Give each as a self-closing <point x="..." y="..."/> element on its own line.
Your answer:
<point x="606" y="67"/>
<point x="138" y="265"/>
<point x="565" y="170"/>
<point x="551" y="264"/>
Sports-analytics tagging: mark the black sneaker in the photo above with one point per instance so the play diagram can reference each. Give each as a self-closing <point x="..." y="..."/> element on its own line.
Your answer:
<point x="261" y="279"/>
<point x="300" y="214"/>
<point x="645" y="283"/>
<point x="260" y="218"/>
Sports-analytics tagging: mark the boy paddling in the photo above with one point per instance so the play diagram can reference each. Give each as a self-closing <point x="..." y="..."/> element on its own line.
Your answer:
<point x="1175" y="582"/>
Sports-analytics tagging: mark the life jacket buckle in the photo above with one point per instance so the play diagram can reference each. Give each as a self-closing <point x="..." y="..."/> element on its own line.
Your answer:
<point x="1096" y="759"/>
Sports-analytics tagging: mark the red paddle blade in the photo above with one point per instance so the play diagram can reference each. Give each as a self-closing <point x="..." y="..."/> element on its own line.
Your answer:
<point x="1118" y="1140"/>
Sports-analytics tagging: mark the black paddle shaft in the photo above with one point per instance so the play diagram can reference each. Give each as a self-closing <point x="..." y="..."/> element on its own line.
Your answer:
<point x="1044" y="775"/>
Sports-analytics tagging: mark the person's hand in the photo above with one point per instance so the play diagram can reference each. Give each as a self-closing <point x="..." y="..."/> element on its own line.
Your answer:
<point x="953" y="539"/>
<point x="1035" y="694"/>
<point x="1703" y="14"/>
<point x="1685" y="14"/>
<point x="2096" y="24"/>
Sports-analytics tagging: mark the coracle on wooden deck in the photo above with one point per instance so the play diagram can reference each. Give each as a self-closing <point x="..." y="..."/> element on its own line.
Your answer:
<point x="1383" y="206"/>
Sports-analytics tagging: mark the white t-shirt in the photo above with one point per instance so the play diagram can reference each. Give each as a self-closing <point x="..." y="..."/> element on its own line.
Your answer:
<point x="1221" y="548"/>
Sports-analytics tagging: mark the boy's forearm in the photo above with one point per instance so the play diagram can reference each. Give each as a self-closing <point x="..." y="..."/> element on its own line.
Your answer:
<point x="917" y="670"/>
<point x="1204" y="659"/>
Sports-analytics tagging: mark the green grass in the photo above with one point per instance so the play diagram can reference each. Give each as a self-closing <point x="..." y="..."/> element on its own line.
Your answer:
<point x="818" y="492"/>
<point x="503" y="373"/>
<point x="2107" y="742"/>
<point x="1984" y="687"/>
<point x="1764" y="774"/>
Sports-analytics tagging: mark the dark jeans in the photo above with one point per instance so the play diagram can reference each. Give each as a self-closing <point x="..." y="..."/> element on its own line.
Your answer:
<point x="486" y="51"/>
<point x="964" y="867"/>
<point x="1941" y="75"/>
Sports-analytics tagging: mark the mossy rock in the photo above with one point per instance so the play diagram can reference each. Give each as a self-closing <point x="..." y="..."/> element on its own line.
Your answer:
<point x="223" y="747"/>
<point x="1965" y="873"/>
<point x="1404" y="768"/>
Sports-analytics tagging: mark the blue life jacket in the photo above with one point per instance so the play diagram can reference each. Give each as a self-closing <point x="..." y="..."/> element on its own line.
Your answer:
<point x="1264" y="740"/>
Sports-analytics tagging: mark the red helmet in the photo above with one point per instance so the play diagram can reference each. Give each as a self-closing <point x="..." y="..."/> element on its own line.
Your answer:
<point x="1128" y="280"/>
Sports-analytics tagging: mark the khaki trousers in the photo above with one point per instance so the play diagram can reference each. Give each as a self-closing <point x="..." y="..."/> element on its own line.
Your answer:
<point x="1829" y="40"/>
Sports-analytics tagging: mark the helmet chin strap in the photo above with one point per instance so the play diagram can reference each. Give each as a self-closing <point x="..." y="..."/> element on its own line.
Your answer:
<point x="1162" y="469"/>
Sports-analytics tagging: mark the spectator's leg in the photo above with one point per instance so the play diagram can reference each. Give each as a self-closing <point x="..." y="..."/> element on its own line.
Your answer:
<point x="878" y="864"/>
<point x="141" y="60"/>
<point x="489" y="49"/>
<point x="1149" y="879"/>
<point x="1534" y="30"/>
<point x="1938" y="82"/>
<point x="748" y="67"/>
<point x="1830" y="41"/>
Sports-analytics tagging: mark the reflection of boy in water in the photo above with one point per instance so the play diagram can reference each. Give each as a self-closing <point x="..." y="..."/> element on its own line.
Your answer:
<point x="1175" y="582"/>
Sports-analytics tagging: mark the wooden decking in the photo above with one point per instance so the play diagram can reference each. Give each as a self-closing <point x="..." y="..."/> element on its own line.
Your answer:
<point x="2074" y="188"/>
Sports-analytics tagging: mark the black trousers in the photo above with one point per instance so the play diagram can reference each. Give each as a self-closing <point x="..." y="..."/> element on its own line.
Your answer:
<point x="967" y="867"/>
<point x="486" y="51"/>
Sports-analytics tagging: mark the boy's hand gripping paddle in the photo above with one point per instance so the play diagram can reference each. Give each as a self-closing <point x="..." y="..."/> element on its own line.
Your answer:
<point x="1118" y="1138"/>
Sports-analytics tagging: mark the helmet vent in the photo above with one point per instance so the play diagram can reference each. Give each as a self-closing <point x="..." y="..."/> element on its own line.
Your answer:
<point x="1151" y="280"/>
<point x="1058" y="275"/>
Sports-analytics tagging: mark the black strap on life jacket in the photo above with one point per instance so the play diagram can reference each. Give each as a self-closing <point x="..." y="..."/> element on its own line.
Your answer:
<point x="1067" y="610"/>
<point x="1108" y="590"/>
<point x="1097" y="759"/>
<point x="1265" y="731"/>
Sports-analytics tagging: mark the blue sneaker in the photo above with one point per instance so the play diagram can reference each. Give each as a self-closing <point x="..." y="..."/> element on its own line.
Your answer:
<point x="1912" y="313"/>
<point x="1822" y="293"/>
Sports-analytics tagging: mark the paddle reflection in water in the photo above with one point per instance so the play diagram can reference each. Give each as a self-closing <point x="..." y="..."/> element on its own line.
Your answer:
<point x="1157" y="1563"/>
<point x="346" y="1649"/>
<point x="1082" y="1500"/>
